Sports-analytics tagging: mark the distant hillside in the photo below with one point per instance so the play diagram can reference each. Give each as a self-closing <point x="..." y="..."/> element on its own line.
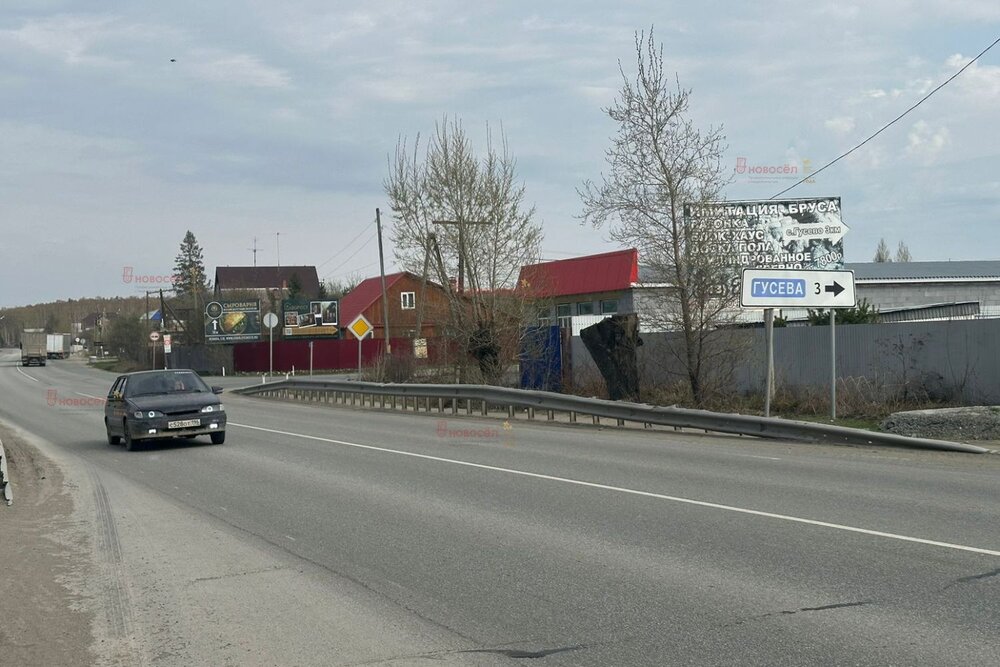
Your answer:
<point x="58" y="316"/>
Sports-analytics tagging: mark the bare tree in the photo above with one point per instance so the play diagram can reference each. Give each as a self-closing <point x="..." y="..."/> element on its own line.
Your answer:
<point x="659" y="163"/>
<point x="903" y="253"/>
<point x="882" y="254"/>
<point x="490" y="233"/>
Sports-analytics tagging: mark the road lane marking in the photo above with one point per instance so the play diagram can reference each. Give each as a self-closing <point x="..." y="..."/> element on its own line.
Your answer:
<point x="634" y="492"/>
<point x="80" y="393"/>
<point x="25" y="374"/>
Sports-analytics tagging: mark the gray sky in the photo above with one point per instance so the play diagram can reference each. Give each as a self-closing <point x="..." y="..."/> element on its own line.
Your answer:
<point x="279" y="117"/>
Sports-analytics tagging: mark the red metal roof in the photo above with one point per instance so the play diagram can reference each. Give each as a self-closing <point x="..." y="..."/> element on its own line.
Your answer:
<point x="367" y="292"/>
<point x="607" y="272"/>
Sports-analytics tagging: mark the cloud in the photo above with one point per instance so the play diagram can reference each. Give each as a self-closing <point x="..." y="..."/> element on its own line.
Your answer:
<point x="840" y="125"/>
<point x="239" y="69"/>
<point x="979" y="83"/>
<point x="926" y="143"/>
<point x="70" y="39"/>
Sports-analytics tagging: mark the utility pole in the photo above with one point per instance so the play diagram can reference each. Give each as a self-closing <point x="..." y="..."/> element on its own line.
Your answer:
<point x="423" y="286"/>
<point x="152" y="362"/>
<point x="277" y="247"/>
<point x="461" y="245"/>
<point x="381" y="268"/>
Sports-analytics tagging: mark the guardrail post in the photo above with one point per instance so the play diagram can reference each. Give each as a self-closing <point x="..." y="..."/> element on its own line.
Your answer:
<point x="440" y="404"/>
<point x="596" y="419"/>
<point x="621" y="422"/>
<point x="510" y="412"/>
<point x="468" y="406"/>
<point x="454" y="406"/>
<point x="485" y="406"/>
<point x="531" y="413"/>
<point x="572" y="417"/>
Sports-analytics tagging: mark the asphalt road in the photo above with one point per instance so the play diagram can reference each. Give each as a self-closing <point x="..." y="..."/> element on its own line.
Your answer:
<point x="326" y="535"/>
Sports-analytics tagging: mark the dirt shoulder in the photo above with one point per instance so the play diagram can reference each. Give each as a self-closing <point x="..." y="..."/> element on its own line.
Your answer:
<point x="42" y="622"/>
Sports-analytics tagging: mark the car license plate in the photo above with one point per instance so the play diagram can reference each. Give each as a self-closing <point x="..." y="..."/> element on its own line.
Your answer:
<point x="184" y="423"/>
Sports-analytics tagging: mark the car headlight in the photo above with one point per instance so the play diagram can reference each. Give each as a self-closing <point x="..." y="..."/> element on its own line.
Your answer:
<point x="213" y="408"/>
<point x="151" y="414"/>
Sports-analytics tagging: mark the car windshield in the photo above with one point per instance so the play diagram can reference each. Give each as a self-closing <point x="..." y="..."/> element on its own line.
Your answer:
<point x="172" y="382"/>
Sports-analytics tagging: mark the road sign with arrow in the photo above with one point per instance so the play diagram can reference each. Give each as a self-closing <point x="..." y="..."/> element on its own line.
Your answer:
<point x="786" y="288"/>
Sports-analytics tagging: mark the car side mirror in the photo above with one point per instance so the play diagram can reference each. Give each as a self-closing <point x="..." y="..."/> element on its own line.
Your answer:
<point x="217" y="390"/>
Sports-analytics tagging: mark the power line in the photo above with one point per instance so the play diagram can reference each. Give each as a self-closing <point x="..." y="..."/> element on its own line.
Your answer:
<point x="345" y="247"/>
<point x="360" y="248"/>
<point x="890" y="123"/>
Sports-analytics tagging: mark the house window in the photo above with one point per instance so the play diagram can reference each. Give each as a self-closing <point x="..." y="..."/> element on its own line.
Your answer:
<point x="609" y="306"/>
<point x="564" y="310"/>
<point x="408" y="300"/>
<point x="585" y="308"/>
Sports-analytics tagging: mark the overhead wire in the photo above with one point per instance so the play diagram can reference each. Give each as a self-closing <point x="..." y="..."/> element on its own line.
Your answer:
<point x="353" y="254"/>
<point x="343" y="248"/>
<point x="892" y="122"/>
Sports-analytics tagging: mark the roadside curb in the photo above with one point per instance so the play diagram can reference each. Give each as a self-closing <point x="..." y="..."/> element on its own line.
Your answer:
<point x="5" y="485"/>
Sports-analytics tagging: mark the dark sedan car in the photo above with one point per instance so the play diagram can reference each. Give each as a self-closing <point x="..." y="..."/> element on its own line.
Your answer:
<point x="152" y="405"/>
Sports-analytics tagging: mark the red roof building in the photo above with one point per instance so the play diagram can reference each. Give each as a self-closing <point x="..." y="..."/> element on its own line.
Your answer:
<point x="591" y="285"/>
<point x="403" y="292"/>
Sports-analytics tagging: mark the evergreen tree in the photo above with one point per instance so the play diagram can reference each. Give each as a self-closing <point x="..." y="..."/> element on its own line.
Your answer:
<point x="189" y="269"/>
<point x="294" y="286"/>
<point x="191" y="285"/>
<point x="863" y="313"/>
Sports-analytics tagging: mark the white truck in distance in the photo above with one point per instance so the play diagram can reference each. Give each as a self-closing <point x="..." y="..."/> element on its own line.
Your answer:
<point x="57" y="345"/>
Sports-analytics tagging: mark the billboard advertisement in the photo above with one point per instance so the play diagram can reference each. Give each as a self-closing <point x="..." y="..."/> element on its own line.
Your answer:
<point x="771" y="233"/>
<point x="303" y="318"/>
<point x="232" y="321"/>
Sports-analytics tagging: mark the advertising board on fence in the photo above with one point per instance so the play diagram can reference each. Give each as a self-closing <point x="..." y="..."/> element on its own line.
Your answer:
<point x="310" y="319"/>
<point x="773" y="234"/>
<point x="232" y="321"/>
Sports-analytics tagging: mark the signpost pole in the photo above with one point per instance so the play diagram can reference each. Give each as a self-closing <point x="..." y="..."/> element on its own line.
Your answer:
<point x="310" y="357"/>
<point x="769" y="342"/>
<point x="359" y="358"/>
<point x="833" y="364"/>
<point x="270" y="347"/>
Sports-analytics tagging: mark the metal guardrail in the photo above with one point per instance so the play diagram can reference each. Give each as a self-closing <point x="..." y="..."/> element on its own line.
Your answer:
<point x="5" y="486"/>
<point x="452" y="396"/>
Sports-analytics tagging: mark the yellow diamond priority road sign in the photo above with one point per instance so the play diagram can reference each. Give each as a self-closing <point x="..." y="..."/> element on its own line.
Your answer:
<point x="360" y="327"/>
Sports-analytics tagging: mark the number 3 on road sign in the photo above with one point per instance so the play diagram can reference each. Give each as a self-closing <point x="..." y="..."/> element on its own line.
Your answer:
<point x="818" y="290"/>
